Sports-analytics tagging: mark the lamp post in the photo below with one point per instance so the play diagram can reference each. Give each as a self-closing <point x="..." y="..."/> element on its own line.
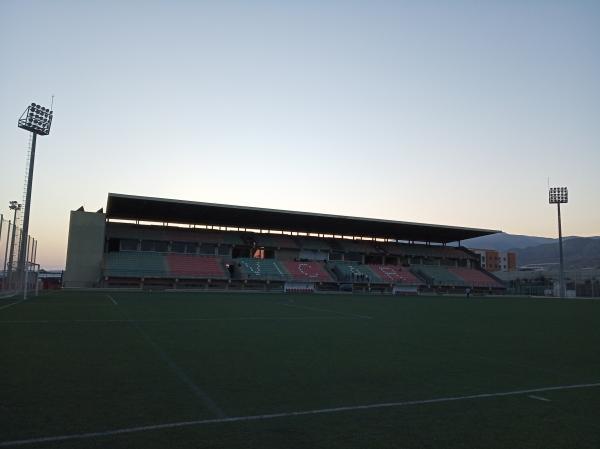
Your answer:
<point x="558" y="196"/>
<point x="16" y="207"/>
<point x="37" y="120"/>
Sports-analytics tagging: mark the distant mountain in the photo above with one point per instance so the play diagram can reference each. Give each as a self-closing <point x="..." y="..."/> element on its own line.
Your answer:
<point x="579" y="252"/>
<point x="503" y="241"/>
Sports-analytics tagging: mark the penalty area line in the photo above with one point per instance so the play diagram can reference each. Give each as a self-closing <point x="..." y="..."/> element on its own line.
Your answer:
<point x="321" y="411"/>
<point x="539" y="398"/>
<point x="174" y="367"/>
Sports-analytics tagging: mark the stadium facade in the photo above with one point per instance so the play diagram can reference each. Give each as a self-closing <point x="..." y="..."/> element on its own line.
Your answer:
<point x="145" y="242"/>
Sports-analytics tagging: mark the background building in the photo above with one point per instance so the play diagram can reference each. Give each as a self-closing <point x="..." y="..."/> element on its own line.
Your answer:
<point x="492" y="260"/>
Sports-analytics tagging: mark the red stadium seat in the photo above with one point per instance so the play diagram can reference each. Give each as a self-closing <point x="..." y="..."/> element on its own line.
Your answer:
<point x="307" y="271"/>
<point x="394" y="274"/>
<point x="184" y="265"/>
<point x="475" y="278"/>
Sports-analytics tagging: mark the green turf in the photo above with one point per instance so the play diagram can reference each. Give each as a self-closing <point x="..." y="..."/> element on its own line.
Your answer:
<point x="74" y="362"/>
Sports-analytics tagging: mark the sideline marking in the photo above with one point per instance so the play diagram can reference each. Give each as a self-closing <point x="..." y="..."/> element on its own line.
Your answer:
<point x="289" y="414"/>
<point x="539" y="398"/>
<point x="8" y="295"/>
<point x="11" y="304"/>
<point x="363" y="317"/>
<point x="183" y="320"/>
<point x="113" y="300"/>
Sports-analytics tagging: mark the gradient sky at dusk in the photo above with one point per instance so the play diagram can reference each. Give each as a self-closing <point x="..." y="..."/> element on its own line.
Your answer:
<point x="441" y="112"/>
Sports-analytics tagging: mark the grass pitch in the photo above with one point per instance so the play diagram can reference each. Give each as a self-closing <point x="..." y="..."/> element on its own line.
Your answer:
<point x="187" y="370"/>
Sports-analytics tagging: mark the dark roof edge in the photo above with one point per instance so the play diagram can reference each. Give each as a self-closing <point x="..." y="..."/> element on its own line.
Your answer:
<point x="291" y="212"/>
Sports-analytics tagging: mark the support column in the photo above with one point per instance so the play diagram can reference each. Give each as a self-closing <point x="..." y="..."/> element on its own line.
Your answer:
<point x="23" y="250"/>
<point x="562" y="287"/>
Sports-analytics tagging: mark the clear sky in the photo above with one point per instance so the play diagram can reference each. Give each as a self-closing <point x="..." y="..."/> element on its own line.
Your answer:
<point x="450" y="112"/>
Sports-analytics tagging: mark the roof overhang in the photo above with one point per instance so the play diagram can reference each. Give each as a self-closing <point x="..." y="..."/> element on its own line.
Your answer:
<point x="139" y="208"/>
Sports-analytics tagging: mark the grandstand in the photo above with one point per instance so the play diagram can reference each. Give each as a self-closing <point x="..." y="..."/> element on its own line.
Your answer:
<point x="148" y="242"/>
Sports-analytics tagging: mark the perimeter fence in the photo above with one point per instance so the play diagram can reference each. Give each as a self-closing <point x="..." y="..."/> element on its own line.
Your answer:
<point x="18" y="272"/>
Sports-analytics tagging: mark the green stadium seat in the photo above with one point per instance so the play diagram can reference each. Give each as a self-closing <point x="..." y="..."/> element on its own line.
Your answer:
<point x="264" y="269"/>
<point x="135" y="264"/>
<point x="354" y="272"/>
<point x="439" y="275"/>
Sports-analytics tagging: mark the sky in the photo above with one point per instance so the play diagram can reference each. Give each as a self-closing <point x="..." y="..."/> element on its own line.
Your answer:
<point x="446" y="112"/>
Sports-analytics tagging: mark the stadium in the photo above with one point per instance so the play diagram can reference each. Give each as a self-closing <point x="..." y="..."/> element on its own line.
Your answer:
<point x="143" y="242"/>
<point x="164" y="283"/>
<point x="189" y="324"/>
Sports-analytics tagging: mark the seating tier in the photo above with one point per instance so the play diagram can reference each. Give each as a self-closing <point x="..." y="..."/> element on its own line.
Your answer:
<point x="395" y="274"/>
<point x="135" y="264"/>
<point x="475" y="278"/>
<point x="353" y="246"/>
<point x="439" y="275"/>
<point x="353" y="272"/>
<point x="189" y="266"/>
<point x="402" y="249"/>
<point x="261" y="269"/>
<point x="172" y="233"/>
<point x="307" y="271"/>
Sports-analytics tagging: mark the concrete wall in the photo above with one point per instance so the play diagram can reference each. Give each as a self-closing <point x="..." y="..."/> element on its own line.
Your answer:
<point x="85" y="249"/>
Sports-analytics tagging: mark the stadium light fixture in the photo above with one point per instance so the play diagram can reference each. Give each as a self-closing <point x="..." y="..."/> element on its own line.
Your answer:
<point x="38" y="120"/>
<point x="558" y="196"/>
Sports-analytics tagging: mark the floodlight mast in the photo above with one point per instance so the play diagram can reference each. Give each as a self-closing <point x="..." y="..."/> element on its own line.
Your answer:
<point x="558" y="196"/>
<point x="37" y="120"/>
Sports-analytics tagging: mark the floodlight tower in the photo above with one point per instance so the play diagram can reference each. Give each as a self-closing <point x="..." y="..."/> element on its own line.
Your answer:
<point x="558" y="196"/>
<point x="37" y="120"/>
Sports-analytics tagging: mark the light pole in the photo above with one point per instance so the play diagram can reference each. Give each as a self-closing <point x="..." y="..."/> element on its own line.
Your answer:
<point x="38" y="120"/>
<point x="16" y="207"/>
<point x="558" y="196"/>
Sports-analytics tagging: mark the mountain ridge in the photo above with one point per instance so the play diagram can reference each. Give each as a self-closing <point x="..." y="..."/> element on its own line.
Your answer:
<point x="579" y="252"/>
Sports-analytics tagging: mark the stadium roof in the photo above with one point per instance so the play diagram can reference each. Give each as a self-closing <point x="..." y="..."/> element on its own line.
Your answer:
<point x="130" y="207"/>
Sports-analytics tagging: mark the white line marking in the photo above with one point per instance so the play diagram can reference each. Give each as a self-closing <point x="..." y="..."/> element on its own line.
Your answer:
<point x="8" y="295"/>
<point x="290" y="414"/>
<point x="181" y="374"/>
<point x="364" y="317"/>
<point x="11" y="304"/>
<point x="183" y="320"/>
<point x="176" y="369"/>
<point x="539" y="398"/>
